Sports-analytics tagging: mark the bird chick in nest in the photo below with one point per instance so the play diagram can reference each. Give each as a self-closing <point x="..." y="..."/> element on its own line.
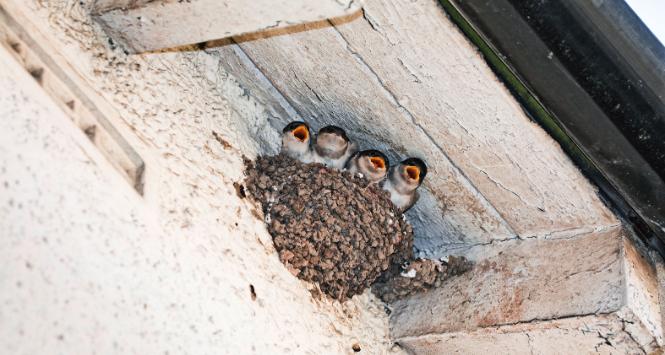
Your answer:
<point x="372" y="164"/>
<point x="296" y="141"/>
<point x="333" y="148"/>
<point x="403" y="182"/>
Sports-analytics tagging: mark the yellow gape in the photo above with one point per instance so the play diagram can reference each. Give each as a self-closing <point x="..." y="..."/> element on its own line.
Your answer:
<point x="413" y="172"/>
<point x="378" y="163"/>
<point x="301" y="133"/>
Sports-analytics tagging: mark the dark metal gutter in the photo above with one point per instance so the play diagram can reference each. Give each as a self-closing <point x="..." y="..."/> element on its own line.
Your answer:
<point x="593" y="76"/>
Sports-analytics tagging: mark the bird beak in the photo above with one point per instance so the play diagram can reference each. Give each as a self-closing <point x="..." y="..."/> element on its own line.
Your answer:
<point x="301" y="133"/>
<point x="378" y="163"/>
<point x="413" y="172"/>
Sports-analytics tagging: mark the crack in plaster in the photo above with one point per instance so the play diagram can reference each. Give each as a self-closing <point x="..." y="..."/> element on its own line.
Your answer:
<point x="465" y="248"/>
<point x="276" y="24"/>
<point x="371" y="21"/>
<point x="410" y="71"/>
<point x="530" y="342"/>
<point x="376" y="27"/>
<point x="350" y="5"/>
<point x="503" y="187"/>
<point x="596" y="270"/>
<point x="541" y="320"/>
<point x="316" y="94"/>
<point x="630" y="335"/>
<point x="606" y="341"/>
<point x="566" y="234"/>
<point x="273" y="91"/>
<point x="522" y="322"/>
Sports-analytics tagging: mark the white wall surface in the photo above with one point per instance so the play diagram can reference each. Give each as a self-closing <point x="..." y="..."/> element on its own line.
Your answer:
<point x="90" y="267"/>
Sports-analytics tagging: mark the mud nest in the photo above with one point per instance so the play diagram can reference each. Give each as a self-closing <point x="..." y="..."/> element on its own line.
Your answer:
<point x="417" y="276"/>
<point x="329" y="227"/>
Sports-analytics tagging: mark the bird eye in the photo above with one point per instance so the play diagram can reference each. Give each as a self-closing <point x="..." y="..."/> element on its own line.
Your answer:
<point x="378" y="163"/>
<point x="413" y="172"/>
<point x="301" y="133"/>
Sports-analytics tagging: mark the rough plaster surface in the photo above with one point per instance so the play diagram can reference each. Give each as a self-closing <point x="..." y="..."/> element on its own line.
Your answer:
<point x="403" y="78"/>
<point x="89" y="267"/>
<point x="160" y="24"/>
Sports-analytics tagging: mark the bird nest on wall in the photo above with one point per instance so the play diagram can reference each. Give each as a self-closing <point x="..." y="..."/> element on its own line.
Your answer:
<point x="336" y="215"/>
<point x="329" y="227"/>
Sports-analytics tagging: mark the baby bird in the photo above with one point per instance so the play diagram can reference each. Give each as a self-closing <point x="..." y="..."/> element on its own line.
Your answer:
<point x="372" y="164"/>
<point x="402" y="182"/>
<point x="296" y="139"/>
<point x="332" y="147"/>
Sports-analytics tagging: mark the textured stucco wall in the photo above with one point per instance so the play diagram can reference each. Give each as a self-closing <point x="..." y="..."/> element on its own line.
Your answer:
<point x="91" y="267"/>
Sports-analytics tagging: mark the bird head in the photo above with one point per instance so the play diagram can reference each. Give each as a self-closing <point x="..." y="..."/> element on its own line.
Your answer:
<point x="331" y="142"/>
<point x="373" y="164"/>
<point x="412" y="171"/>
<point x="296" y="138"/>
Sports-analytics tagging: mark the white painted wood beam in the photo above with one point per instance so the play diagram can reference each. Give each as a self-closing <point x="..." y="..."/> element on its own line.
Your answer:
<point x="153" y="25"/>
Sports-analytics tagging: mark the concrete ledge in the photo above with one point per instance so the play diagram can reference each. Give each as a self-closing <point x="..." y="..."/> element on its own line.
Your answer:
<point x="152" y="25"/>
<point x="617" y="333"/>
<point x="536" y="281"/>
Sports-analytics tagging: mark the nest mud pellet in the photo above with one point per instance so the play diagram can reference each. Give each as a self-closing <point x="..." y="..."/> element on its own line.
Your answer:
<point x="417" y="276"/>
<point x="329" y="227"/>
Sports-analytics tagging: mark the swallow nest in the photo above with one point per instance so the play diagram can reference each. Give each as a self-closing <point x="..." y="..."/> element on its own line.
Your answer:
<point x="329" y="227"/>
